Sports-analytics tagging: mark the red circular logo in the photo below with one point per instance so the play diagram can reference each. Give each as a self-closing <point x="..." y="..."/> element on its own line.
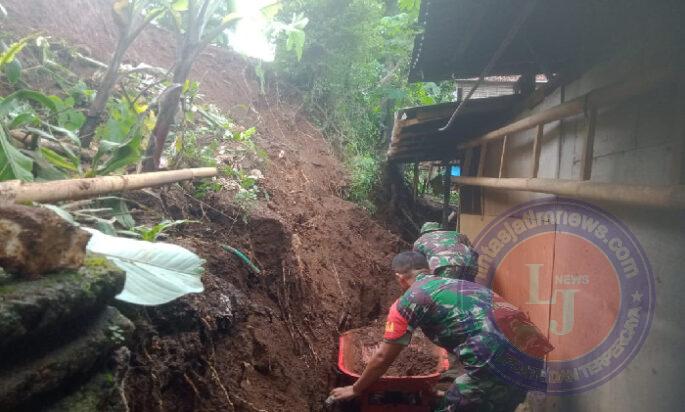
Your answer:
<point x="582" y="278"/>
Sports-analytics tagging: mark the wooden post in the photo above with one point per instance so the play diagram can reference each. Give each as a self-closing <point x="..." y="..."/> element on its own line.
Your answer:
<point x="481" y="160"/>
<point x="502" y="158"/>
<point x="459" y="210"/>
<point x="425" y="182"/>
<point x="537" y="147"/>
<point x="466" y="167"/>
<point x="588" y="147"/>
<point x="446" y="191"/>
<point x="415" y="183"/>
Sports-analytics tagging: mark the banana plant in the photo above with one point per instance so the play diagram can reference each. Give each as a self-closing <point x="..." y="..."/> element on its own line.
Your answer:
<point x="196" y="24"/>
<point x="128" y="17"/>
<point x="15" y="164"/>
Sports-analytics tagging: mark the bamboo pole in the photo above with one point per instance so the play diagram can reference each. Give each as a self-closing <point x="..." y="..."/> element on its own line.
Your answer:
<point x="600" y="97"/>
<point x="74" y="189"/>
<point x="666" y="197"/>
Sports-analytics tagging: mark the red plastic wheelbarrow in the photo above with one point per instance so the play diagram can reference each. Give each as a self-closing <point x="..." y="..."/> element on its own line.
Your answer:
<point x="390" y="393"/>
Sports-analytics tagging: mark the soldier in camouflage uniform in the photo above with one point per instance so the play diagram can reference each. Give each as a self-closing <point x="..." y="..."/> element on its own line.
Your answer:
<point x="469" y="321"/>
<point x="449" y="253"/>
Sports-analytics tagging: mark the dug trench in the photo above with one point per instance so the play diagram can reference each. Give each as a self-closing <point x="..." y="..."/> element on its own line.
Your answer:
<point x="259" y="341"/>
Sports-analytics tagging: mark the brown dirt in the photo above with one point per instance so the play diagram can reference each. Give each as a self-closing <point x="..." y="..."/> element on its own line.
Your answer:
<point x="418" y="359"/>
<point x="249" y="342"/>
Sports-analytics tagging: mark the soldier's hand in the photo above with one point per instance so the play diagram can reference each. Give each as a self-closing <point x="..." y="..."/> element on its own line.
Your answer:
<point x="343" y="393"/>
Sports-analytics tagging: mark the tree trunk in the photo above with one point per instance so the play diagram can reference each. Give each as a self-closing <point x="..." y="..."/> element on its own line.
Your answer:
<point x="168" y="107"/>
<point x="94" y="113"/>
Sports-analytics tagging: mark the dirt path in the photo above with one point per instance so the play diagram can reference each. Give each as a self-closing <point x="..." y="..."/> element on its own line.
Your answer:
<point x="250" y="342"/>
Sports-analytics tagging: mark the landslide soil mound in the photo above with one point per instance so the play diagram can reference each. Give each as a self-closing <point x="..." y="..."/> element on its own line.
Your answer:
<point x="251" y="342"/>
<point x="420" y="358"/>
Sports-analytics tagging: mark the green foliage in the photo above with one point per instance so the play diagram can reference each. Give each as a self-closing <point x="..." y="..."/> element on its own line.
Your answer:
<point x="365" y="173"/>
<point x="45" y="143"/>
<point x="9" y="102"/>
<point x="8" y="55"/>
<point x="293" y="33"/>
<point x="353" y="76"/>
<point x="156" y="273"/>
<point x="151" y="234"/>
<point x="13" y="164"/>
<point x="120" y="137"/>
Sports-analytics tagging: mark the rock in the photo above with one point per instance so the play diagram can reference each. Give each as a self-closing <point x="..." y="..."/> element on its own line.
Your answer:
<point x="100" y="393"/>
<point x="29" y="385"/>
<point x="32" y="310"/>
<point x="35" y="240"/>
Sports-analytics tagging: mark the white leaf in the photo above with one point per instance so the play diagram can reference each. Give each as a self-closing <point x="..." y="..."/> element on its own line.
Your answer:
<point x="156" y="273"/>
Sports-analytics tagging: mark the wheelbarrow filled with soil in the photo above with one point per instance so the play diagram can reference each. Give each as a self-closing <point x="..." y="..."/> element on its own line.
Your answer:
<point x="407" y="386"/>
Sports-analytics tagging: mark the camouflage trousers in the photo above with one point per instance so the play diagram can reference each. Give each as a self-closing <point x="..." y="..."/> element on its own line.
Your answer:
<point x="480" y="390"/>
<point x="457" y="272"/>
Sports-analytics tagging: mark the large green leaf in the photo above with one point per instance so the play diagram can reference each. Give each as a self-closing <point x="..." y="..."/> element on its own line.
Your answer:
<point x="42" y="168"/>
<point x="156" y="273"/>
<point x="124" y="155"/>
<point x="38" y="97"/>
<point x="119" y="210"/>
<point x="13" y="164"/>
<point x="58" y="160"/>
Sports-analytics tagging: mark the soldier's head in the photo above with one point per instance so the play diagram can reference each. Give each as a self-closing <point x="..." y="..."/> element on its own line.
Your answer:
<point x="430" y="227"/>
<point x="407" y="265"/>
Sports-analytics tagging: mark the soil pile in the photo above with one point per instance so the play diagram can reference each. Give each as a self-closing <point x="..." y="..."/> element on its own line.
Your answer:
<point x="418" y="359"/>
<point x="250" y="342"/>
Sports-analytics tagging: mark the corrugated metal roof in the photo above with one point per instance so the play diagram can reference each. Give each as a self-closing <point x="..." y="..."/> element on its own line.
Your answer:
<point x="415" y="135"/>
<point x="460" y="36"/>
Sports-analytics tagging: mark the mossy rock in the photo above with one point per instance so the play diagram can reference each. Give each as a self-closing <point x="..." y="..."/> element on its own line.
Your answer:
<point x="100" y="393"/>
<point x="39" y="309"/>
<point x="33" y="383"/>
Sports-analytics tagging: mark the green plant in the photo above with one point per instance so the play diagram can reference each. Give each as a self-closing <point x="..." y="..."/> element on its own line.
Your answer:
<point x="120" y="138"/>
<point x="353" y="76"/>
<point x="151" y="234"/>
<point x="156" y="273"/>
<point x="205" y="187"/>
<point x="116" y="334"/>
<point x="9" y="64"/>
<point x="13" y="164"/>
<point x="365" y="175"/>
<point x="195" y="24"/>
<point x="130" y="22"/>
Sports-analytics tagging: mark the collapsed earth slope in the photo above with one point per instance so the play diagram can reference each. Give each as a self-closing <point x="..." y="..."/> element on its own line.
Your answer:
<point x="252" y="341"/>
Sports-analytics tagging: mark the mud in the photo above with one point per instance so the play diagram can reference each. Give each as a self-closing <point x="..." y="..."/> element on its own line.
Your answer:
<point x="418" y="359"/>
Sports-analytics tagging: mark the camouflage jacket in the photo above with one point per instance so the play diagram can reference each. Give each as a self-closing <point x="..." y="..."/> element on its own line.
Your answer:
<point x="463" y="317"/>
<point x="448" y="249"/>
